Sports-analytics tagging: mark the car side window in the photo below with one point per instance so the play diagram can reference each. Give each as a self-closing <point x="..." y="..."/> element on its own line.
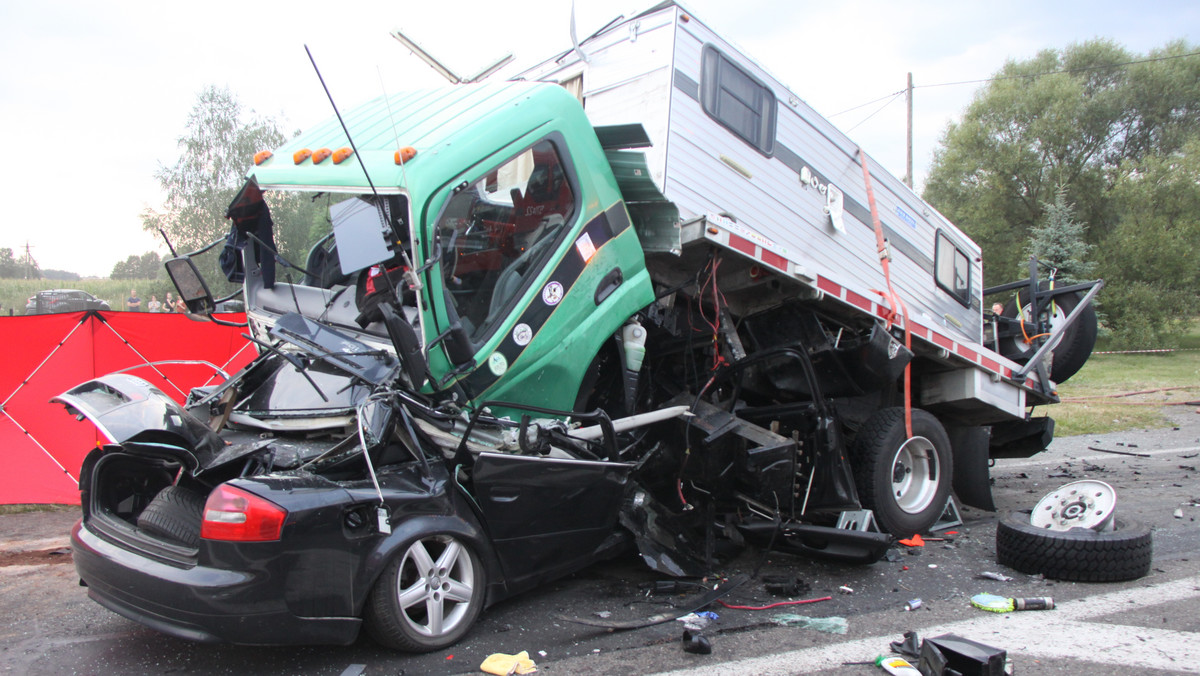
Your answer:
<point x="498" y="232"/>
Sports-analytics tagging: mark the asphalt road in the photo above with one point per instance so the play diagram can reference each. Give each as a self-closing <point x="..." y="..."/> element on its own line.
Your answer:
<point x="1147" y="626"/>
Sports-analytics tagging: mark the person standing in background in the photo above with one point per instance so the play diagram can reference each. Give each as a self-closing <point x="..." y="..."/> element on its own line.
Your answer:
<point x="169" y="306"/>
<point x="133" y="303"/>
<point x="153" y="305"/>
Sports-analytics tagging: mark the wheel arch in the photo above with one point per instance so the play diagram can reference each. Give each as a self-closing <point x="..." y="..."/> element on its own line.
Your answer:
<point x="461" y="525"/>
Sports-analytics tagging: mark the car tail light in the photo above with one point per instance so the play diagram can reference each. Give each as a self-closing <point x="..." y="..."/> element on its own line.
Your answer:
<point x="231" y="513"/>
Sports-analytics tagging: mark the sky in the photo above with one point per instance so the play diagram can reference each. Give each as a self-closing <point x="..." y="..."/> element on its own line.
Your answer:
<point x="94" y="96"/>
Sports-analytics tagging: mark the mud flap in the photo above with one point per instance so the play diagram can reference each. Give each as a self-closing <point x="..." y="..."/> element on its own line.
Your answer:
<point x="972" y="480"/>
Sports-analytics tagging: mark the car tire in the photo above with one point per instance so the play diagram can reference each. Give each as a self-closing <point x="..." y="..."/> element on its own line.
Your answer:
<point x="1078" y="554"/>
<point x="428" y="596"/>
<point x="1073" y="349"/>
<point x="905" y="481"/>
<point x="175" y="513"/>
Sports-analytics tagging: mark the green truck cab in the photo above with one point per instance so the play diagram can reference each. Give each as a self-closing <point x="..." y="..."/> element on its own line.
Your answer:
<point x="523" y="249"/>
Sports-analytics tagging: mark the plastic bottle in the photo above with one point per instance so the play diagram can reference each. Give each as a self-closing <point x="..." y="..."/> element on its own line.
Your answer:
<point x="896" y="665"/>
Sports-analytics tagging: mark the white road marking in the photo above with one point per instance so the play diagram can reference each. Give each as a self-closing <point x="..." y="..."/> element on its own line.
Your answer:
<point x="1070" y="631"/>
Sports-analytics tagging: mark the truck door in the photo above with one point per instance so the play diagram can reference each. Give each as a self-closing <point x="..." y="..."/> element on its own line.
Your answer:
<point x="498" y="231"/>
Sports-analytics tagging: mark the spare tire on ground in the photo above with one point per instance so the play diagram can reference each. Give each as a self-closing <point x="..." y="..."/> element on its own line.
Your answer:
<point x="1078" y="554"/>
<point x="175" y="514"/>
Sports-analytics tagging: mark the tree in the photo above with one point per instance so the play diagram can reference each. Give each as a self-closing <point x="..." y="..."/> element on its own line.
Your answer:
<point x="145" y="266"/>
<point x="8" y="264"/>
<point x="1082" y="121"/>
<point x="218" y="146"/>
<point x="1058" y="242"/>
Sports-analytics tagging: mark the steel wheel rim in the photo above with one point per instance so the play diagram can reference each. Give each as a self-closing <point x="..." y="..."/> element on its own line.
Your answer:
<point x="915" y="472"/>
<point x="436" y="585"/>
<point x="1087" y="504"/>
<point x="1055" y="318"/>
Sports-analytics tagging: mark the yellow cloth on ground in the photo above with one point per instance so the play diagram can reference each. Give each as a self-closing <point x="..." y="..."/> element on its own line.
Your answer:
<point x="503" y="665"/>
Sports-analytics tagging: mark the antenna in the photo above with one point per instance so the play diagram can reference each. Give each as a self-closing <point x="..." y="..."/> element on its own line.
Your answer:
<point x="443" y="69"/>
<point x="411" y="275"/>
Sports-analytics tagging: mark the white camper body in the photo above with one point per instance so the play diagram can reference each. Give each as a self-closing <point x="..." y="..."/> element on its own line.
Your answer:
<point x="753" y="168"/>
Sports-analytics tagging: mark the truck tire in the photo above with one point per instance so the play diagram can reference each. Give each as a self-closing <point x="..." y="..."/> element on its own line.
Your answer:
<point x="1078" y="554"/>
<point x="905" y="481"/>
<point x="1073" y="349"/>
<point x="175" y="514"/>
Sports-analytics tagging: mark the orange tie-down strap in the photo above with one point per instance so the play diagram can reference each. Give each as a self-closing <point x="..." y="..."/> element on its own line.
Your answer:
<point x="896" y="307"/>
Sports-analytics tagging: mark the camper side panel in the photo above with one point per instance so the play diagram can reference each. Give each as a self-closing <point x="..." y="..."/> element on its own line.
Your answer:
<point x="715" y="167"/>
<point x="625" y="80"/>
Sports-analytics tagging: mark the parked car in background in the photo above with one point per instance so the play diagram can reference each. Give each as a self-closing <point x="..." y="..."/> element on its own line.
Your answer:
<point x="53" y="301"/>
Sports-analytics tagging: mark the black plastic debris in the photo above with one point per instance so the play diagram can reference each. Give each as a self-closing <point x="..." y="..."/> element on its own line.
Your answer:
<point x="695" y="643"/>
<point x="950" y="653"/>
<point x="785" y="585"/>
<point x="910" y="646"/>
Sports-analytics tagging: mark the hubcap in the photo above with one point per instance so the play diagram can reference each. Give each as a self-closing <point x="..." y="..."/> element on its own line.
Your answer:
<point x="435" y="585"/>
<point x="915" y="475"/>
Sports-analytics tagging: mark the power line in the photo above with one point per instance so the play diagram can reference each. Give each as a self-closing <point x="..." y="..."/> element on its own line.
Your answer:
<point x="1013" y="77"/>
<point x="877" y="110"/>
<point x="864" y="105"/>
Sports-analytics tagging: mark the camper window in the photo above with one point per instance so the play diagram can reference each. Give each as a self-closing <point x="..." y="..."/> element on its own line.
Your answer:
<point x="953" y="269"/>
<point x="737" y="100"/>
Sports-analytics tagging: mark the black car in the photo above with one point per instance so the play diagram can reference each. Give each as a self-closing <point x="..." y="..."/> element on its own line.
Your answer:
<point x="53" y="301"/>
<point x="301" y="537"/>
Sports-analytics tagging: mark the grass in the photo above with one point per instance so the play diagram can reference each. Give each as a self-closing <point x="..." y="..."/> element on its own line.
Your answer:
<point x="1089" y="408"/>
<point x="23" y="509"/>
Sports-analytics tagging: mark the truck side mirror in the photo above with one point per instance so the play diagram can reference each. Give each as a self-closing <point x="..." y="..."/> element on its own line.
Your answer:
<point x="190" y="284"/>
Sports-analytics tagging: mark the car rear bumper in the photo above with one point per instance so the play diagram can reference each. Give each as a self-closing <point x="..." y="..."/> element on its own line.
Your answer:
<point x="198" y="603"/>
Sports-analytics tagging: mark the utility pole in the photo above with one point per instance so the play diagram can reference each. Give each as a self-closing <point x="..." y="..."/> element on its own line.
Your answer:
<point x="908" y="177"/>
<point x="28" y="261"/>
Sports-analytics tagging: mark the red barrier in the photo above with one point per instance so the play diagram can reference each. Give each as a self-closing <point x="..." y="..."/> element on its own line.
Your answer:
<point x="42" y="446"/>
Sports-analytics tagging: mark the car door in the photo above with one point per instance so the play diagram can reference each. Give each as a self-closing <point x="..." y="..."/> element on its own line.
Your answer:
<point x="548" y="515"/>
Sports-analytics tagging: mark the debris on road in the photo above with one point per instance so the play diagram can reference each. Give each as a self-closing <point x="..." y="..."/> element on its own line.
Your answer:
<point x="988" y="575"/>
<point x="828" y="625"/>
<point x="912" y="605"/>
<point x="896" y="665"/>
<point x="1000" y="604"/>
<point x="501" y="664"/>
<point x="1107" y="450"/>
<point x="966" y="657"/>
<point x="695" y="643"/>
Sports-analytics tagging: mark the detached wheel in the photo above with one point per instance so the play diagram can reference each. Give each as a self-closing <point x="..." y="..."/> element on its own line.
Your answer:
<point x="1076" y="344"/>
<point x="905" y="481"/>
<point x="428" y="596"/>
<point x="1078" y="554"/>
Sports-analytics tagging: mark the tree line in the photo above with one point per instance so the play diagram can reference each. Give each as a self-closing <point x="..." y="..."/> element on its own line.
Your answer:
<point x="1088" y="156"/>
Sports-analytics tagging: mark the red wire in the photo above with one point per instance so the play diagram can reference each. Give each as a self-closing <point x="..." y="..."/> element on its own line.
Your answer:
<point x="774" y="605"/>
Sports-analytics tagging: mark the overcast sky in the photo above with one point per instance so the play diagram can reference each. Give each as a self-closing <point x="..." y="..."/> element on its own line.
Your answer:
<point x="93" y="96"/>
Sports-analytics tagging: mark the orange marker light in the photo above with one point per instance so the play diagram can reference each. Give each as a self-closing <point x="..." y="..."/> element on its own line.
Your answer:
<point x="341" y="154"/>
<point x="405" y="154"/>
<point x="321" y="155"/>
<point x="301" y="155"/>
<point x="262" y="156"/>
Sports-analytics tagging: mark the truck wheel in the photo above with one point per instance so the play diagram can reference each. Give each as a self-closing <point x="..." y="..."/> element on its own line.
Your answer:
<point x="905" y="481"/>
<point x="1078" y="554"/>
<point x="428" y="597"/>
<point x="1073" y="348"/>
<point x="175" y="513"/>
